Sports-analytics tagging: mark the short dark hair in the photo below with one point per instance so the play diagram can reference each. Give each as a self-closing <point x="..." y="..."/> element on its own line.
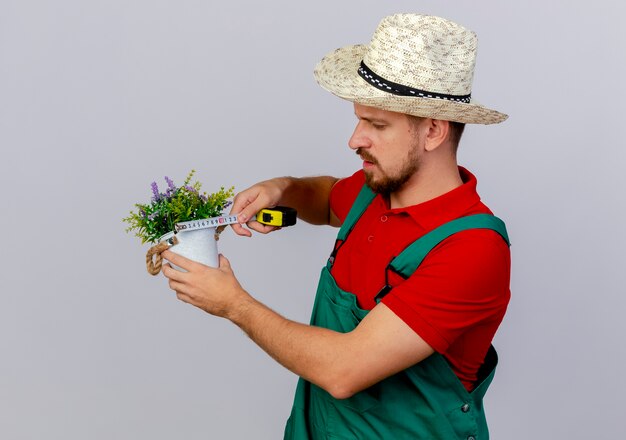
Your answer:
<point x="454" y="134"/>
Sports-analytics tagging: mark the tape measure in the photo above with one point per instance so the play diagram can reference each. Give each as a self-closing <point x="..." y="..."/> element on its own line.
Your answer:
<point x="279" y="216"/>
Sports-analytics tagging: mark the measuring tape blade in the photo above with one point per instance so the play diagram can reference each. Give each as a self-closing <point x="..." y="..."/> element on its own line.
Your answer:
<point x="212" y="222"/>
<point x="279" y="216"/>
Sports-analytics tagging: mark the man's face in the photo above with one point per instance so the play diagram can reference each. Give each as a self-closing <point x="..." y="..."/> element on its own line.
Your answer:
<point x="389" y="146"/>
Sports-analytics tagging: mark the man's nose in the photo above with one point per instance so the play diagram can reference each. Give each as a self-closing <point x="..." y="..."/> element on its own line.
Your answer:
<point x="358" y="138"/>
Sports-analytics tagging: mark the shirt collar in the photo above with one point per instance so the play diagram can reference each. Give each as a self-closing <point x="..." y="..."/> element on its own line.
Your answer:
<point x="446" y="207"/>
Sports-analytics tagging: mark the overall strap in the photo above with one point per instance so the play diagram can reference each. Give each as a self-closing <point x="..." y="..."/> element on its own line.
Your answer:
<point x="412" y="256"/>
<point x="362" y="201"/>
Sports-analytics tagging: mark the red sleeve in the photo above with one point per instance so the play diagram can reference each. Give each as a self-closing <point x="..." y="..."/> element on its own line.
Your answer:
<point x="462" y="283"/>
<point x="344" y="193"/>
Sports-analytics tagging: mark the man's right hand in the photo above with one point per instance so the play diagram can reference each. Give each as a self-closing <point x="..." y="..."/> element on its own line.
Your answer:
<point x="308" y="195"/>
<point x="247" y="203"/>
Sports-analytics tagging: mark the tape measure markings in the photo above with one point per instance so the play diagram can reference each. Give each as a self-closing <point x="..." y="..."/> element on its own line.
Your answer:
<point x="206" y="223"/>
<point x="279" y="216"/>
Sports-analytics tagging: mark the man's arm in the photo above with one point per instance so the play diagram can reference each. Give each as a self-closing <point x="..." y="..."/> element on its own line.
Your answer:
<point x="341" y="363"/>
<point x="308" y="195"/>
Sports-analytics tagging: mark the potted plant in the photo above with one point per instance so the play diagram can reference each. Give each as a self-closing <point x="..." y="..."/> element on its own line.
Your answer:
<point x="155" y="221"/>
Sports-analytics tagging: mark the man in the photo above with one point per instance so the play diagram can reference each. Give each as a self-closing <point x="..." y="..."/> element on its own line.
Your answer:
<point x="399" y="344"/>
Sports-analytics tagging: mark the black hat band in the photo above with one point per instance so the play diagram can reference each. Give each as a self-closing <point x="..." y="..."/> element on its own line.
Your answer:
<point x="401" y="90"/>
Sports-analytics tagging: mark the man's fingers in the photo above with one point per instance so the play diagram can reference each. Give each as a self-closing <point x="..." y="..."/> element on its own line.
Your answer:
<point x="177" y="286"/>
<point x="240" y="230"/>
<point x="241" y="200"/>
<point x="171" y="273"/>
<point x="249" y="202"/>
<point x="184" y="297"/>
<point x="179" y="260"/>
<point x="260" y="227"/>
<point x="244" y="205"/>
<point x="255" y="226"/>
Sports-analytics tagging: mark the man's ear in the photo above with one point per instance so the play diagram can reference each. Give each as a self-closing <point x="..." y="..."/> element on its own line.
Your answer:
<point x="436" y="133"/>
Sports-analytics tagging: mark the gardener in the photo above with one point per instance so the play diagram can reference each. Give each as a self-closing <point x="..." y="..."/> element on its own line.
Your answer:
<point x="418" y="280"/>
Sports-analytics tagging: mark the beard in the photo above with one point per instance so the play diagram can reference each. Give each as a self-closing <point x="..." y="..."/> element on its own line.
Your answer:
<point x="388" y="182"/>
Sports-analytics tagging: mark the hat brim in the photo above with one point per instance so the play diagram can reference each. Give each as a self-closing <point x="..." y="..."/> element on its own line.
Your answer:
<point x="337" y="73"/>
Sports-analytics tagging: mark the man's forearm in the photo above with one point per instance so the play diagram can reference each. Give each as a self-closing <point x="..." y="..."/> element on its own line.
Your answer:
<point x="310" y="197"/>
<point x="313" y="353"/>
<point x="341" y="363"/>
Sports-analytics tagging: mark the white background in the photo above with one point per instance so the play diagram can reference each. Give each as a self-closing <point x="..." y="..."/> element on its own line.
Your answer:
<point x="100" y="98"/>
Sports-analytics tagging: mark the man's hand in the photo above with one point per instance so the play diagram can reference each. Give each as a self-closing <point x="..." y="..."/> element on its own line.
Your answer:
<point x="214" y="290"/>
<point x="307" y="195"/>
<point x="247" y="203"/>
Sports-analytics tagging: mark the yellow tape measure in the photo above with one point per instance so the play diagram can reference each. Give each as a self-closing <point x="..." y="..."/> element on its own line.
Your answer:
<point x="279" y="216"/>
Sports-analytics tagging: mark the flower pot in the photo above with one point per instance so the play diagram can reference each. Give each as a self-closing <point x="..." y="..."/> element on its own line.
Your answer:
<point x="199" y="245"/>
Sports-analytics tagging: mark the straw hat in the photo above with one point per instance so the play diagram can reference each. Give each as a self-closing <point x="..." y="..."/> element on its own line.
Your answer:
<point x="415" y="64"/>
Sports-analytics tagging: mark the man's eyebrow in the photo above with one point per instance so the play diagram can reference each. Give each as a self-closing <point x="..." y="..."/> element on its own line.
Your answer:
<point x="371" y="120"/>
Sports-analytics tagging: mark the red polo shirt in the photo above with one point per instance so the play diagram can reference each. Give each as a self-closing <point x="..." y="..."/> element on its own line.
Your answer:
<point x="457" y="298"/>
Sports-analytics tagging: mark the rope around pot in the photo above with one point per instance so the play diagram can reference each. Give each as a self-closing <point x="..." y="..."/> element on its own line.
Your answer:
<point x="154" y="260"/>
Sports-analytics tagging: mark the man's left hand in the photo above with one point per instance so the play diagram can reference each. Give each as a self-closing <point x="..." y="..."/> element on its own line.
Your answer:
<point x="214" y="290"/>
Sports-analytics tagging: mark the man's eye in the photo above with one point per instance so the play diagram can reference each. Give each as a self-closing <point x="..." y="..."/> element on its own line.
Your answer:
<point x="378" y="126"/>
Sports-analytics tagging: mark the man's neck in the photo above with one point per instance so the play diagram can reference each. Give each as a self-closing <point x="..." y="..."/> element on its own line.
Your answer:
<point x="427" y="183"/>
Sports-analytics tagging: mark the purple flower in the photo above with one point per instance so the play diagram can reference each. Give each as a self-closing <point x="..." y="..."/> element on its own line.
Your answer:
<point x="204" y="198"/>
<point x="190" y="188"/>
<point x="152" y="216"/>
<point x="170" y="183"/>
<point x="142" y="213"/>
<point x="155" y="191"/>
